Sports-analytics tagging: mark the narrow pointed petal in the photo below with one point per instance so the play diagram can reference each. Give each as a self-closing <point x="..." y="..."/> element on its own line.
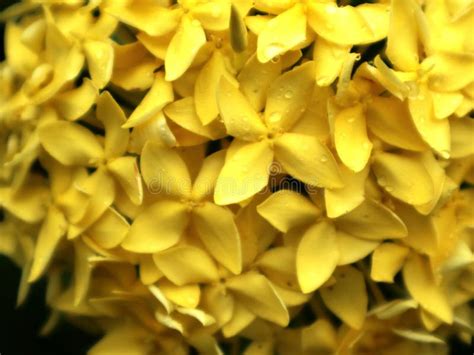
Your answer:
<point x="387" y="261"/>
<point x="50" y="234"/>
<point x="74" y="104"/>
<point x="112" y="117"/>
<point x="317" y="256"/>
<point x="421" y="284"/>
<point x="218" y="232"/>
<point x="183" y="48"/>
<point x="125" y="171"/>
<point x="205" y="182"/>
<point x="160" y="94"/>
<point x="350" y="134"/>
<point x="100" y="61"/>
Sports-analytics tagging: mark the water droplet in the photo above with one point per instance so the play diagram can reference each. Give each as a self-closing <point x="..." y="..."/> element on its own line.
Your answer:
<point x="382" y="181"/>
<point x="324" y="159"/>
<point x="389" y="188"/>
<point x="288" y="94"/>
<point x="274" y="117"/>
<point x="351" y="119"/>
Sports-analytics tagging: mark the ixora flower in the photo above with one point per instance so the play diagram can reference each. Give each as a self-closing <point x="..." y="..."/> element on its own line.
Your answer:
<point x="255" y="177"/>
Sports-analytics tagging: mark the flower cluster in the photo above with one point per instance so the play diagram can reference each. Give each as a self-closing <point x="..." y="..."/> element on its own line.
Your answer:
<point x="258" y="176"/>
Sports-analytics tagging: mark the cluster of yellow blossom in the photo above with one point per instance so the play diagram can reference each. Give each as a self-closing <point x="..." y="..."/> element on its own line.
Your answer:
<point x="243" y="176"/>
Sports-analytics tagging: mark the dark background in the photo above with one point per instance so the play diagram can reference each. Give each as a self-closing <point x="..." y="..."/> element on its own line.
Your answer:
<point x="19" y="327"/>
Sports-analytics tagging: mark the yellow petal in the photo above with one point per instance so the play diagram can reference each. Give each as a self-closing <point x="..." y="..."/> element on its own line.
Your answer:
<point x="125" y="171"/>
<point x="387" y="260"/>
<point x="319" y="337"/>
<point x="258" y="295"/>
<point x="239" y="117"/>
<point x="462" y="131"/>
<point x="389" y="119"/>
<point x="186" y="264"/>
<point x="402" y="43"/>
<point x="183" y="113"/>
<point x="446" y="103"/>
<point x="160" y="94"/>
<point x="100" y="61"/>
<point x="238" y="30"/>
<point x="421" y="284"/>
<point x="27" y="203"/>
<point x="343" y="200"/>
<point x="278" y="264"/>
<point x="56" y="138"/>
<point x="418" y="336"/>
<point x="149" y="273"/>
<point x="156" y="45"/>
<point x="288" y="96"/>
<point x="244" y="173"/>
<point x="404" y="177"/>
<point x="328" y="58"/>
<point x="205" y="182"/>
<point x="317" y="256"/>
<point x="393" y="308"/>
<point x="217" y="301"/>
<point x="184" y="46"/>
<point x="50" y="234"/>
<point x="201" y="316"/>
<point x="372" y="220"/>
<point x="348" y="25"/>
<point x="352" y="249"/>
<point x="157" y="228"/>
<point x="74" y="104"/>
<point x="255" y="78"/>
<point x="348" y="297"/>
<point x="241" y="318"/>
<point x="441" y="185"/>
<point x="350" y="134"/>
<point x="218" y="232"/>
<point x="287" y="209"/>
<point x="450" y="71"/>
<point x="82" y="270"/>
<point x="109" y="230"/>
<point x="433" y="131"/>
<point x="282" y="33"/>
<point x="422" y="235"/>
<point x="308" y="160"/>
<point x="145" y="15"/>
<point x="184" y="296"/>
<point x="112" y="117"/>
<point x="164" y="171"/>
<point x="205" y="88"/>
<point x="213" y="15"/>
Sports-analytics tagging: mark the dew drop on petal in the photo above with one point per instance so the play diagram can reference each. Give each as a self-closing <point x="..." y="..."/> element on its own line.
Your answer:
<point x="288" y="94"/>
<point x="323" y="159"/>
<point x="275" y="117"/>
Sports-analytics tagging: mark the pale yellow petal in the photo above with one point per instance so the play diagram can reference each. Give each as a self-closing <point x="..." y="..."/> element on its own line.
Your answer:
<point x="328" y="58"/>
<point x="352" y="249"/>
<point x="240" y="119"/>
<point x="421" y="284"/>
<point x="164" y="171"/>
<point x="183" y="48"/>
<point x="372" y="220"/>
<point x="404" y="177"/>
<point x="244" y="173"/>
<point x="282" y="33"/>
<point x="387" y="261"/>
<point x="287" y="209"/>
<point x="343" y="200"/>
<point x="308" y="160"/>
<point x="125" y="171"/>
<point x="288" y="96"/>
<point x="74" y="104"/>
<point x="348" y="297"/>
<point x="56" y="138"/>
<point x="160" y="94"/>
<point x="205" y="182"/>
<point x="157" y="228"/>
<point x="258" y="295"/>
<point x="317" y="256"/>
<point x="109" y="230"/>
<point x="218" y="232"/>
<point x="186" y="264"/>
<point x="100" y="61"/>
<point x="350" y="135"/>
